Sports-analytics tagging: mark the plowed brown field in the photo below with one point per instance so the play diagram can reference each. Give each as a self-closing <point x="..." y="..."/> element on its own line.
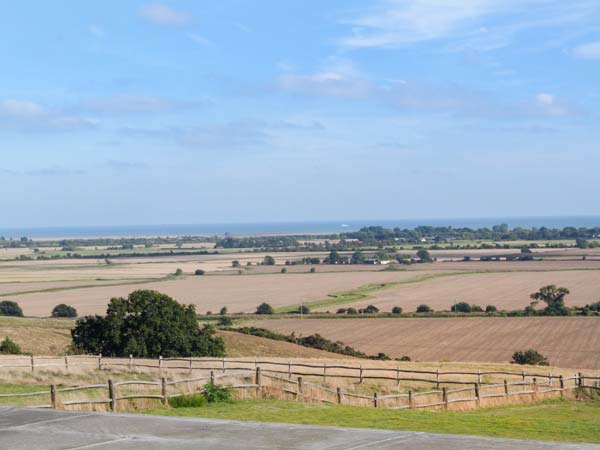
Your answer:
<point x="566" y="341"/>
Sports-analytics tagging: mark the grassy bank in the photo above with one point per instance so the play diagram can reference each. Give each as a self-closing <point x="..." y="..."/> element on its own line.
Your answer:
<point x="555" y="420"/>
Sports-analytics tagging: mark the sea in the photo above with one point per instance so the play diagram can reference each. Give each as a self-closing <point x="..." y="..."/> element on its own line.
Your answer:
<point x="308" y="227"/>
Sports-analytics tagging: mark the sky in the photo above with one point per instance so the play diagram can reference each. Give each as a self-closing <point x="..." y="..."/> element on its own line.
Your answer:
<point x="133" y="112"/>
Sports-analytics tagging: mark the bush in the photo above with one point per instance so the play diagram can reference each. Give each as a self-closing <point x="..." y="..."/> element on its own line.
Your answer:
<point x="213" y="393"/>
<point x="283" y="270"/>
<point x="188" y="401"/>
<point x="369" y="310"/>
<point x="530" y="357"/>
<point x="9" y="308"/>
<point x="424" y="256"/>
<point x="461" y="307"/>
<point x="476" y="308"/>
<point x="9" y="347"/>
<point x="223" y="311"/>
<point x="424" y="309"/>
<point x="63" y="310"/>
<point x="225" y="322"/>
<point x="490" y="309"/>
<point x="199" y="272"/>
<point x="404" y="358"/>
<point x="313" y="270"/>
<point x="352" y="311"/>
<point x="235" y="263"/>
<point x="396" y="310"/>
<point x="302" y="309"/>
<point x="146" y="324"/>
<point x="264" y="308"/>
<point x="269" y="261"/>
<point x="178" y="272"/>
<point x="341" y="311"/>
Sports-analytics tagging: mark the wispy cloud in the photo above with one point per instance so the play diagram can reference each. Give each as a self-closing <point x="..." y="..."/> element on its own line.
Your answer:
<point x="481" y="24"/>
<point x="27" y="115"/>
<point x="200" y="40"/>
<point x="135" y="104"/>
<point x="54" y="171"/>
<point x="588" y="51"/>
<point x="125" y="165"/>
<point x="160" y="14"/>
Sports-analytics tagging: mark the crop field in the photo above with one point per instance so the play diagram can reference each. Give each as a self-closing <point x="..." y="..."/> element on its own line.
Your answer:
<point x="566" y="341"/>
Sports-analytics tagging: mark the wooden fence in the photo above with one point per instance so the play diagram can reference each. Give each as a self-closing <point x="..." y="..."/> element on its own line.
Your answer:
<point x="360" y="373"/>
<point x="261" y="384"/>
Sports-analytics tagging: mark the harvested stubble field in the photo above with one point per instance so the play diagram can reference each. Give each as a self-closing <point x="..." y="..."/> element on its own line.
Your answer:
<point x="566" y="341"/>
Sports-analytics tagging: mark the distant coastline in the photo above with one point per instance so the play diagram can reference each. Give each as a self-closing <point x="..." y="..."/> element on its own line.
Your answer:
<point x="321" y="227"/>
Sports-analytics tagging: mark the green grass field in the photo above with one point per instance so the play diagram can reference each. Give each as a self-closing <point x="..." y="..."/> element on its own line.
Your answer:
<point x="555" y="420"/>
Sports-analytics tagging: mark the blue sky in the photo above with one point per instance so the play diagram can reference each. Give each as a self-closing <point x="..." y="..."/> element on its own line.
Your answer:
<point x="133" y="112"/>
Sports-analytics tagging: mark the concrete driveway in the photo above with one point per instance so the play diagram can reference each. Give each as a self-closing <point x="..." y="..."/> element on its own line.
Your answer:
<point x="36" y="429"/>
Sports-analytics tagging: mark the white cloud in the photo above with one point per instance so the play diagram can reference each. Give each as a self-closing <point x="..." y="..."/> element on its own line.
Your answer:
<point x="26" y="115"/>
<point x="133" y="104"/>
<point x="160" y="14"/>
<point x="588" y="51"/>
<point x="199" y="39"/>
<point x="481" y="24"/>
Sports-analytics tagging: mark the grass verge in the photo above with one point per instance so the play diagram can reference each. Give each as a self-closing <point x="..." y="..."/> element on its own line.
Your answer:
<point x="553" y="420"/>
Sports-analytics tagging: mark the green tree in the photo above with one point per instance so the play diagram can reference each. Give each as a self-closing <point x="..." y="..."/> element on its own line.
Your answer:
<point x="235" y="263"/>
<point x="264" y="308"/>
<point x="63" y="310"/>
<point x="424" y="256"/>
<point x="424" y="309"/>
<point x="146" y="324"/>
<point x="358" y="257"/>
<point x="269" y="261"/>
<point x="490" y="309"/>
<point x="178" y="272"/>
<point x="461" y="307"/>
<point x="396" y="310"/>
<point x="223" y="311"/>
<point x="334" y="258"/>
<point x="9" y="347"/>
<point x="554" y="297"/>
<point x="199" y="272"/>
<point x="582" y="243"/>
<point x="10" y="308"/>
<point x="302" y="309"/>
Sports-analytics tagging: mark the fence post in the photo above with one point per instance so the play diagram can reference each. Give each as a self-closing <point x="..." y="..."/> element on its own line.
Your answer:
<point x="223" y="365"/>
<point x="562" y="385"/>
<point x="535" y="388"/>
<point x="191" y="365"/>
<point x="100" y="361"/>
<point x="112" y="395"/>
<point x="437" y="378"/>
<point x="506" y="388"/>
<point x="299" y="388"/>
<point x="163" y="391"/>
<point x="523" y="376"/>
<point x="53" y="396"/>
<point x="130" y="362"/>
<point x="360" y="375"/>
<point x="550" y="379"/>
<point x="445" y="397"/>
<point x="324" y="373"/>
<point x="67" y="363"/>
<point x="410" y="400"/>
<point x="375" y="400"/>
<point x="258" y="381"/>
<point x="289" y="369"/>
<point x="580" y="379"/>
<point x="477" y="397"/>
<point x="160" y="364"/>
<point x="397" y="376"/>
<point x="339" y="395"/>
<point x="212" y="378"/>
<point x="479" y="376"/>
<point x="32" y="364"/>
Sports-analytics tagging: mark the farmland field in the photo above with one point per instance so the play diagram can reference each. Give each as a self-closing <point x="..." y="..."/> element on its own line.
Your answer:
<point x="566" y="341"/>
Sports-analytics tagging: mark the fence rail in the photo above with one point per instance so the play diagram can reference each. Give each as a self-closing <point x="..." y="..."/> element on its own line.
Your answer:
<point x="265" y="384"/>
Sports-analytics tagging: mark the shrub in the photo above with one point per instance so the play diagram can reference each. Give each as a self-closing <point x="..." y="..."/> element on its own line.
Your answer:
<point x="313" y="270"/>
<point x="341" y="311"/>
<point x="302" y="309"/>
<point x="352" y="311"/>
<point x="63" y="310"/>
<point x="424" y="256"/>
<point x="178" y="272"/>
<point x="9" y="308"/>
<point x="396" y="310"/>
<point x="424" y="309"/>
<point x="215" y="393"/>
<point x="188" y="401"/>
<point x="369" y="310"/>
<point x="490" y="309"/>
<point x="404" y="358"/>
<point x="264" y="308"/>
<point x="283" y="270"/>
<point x="269" y="261"/>
<point x="476" y="308"/>
<point x="225" y="322"/>
<point x="530" y="357"/>
<point x="461" y="307"/>
<point x="235" y="263"/>
<point x="9" y="347"/>
<point x="199" y="272"/>
<point x="554" y="297"/>
<point x="146" y="324"/>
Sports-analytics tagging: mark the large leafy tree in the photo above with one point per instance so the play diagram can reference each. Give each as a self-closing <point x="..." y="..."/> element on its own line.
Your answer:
<point x="146" y="324"/>
<point x="554" y="297"/>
